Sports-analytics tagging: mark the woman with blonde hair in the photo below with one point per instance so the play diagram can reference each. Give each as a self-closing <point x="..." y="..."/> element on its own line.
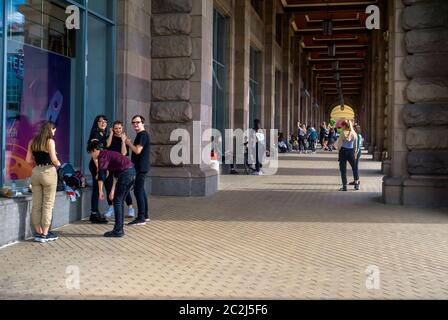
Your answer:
<point x="44" y="180"/>
<point x="347" y="146"/>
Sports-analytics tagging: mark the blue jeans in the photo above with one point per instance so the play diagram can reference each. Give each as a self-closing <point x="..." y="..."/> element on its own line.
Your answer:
<point x="124" y="184"/>
<point x="344" y="156"/>
<point x="141" y="196"/>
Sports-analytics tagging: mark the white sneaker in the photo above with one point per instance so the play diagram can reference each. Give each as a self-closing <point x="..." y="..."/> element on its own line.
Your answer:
<point x="110" y="212"/>
<point x="131" y="213"/>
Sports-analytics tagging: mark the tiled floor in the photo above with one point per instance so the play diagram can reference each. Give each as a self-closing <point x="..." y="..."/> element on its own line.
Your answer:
<point x="288" y="236"/>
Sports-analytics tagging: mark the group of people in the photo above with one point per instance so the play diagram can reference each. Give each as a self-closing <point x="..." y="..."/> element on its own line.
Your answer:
<point x="328" y="135"/>
<point x="110" y="168"/>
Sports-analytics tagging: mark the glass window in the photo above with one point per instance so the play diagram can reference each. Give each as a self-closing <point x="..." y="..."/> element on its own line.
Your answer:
<point x="102" y="7"/>
<point x="278" y="81"/>
<point x="99" y="75"/>
<point x="254" y="86"/>
<point x="258" y="6"/>
<point x="219" y="72"/>
<point x="278" y="28"/>
<point x="41" y="77"/>
<point x="2" y="17"/>
<point x="42" y="25"/>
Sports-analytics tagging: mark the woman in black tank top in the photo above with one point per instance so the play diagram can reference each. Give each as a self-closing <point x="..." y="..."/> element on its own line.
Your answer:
<point x="44" y="180"/>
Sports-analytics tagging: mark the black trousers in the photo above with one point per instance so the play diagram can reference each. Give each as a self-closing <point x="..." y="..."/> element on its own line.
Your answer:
<point x="344" y="156"/>
<point x="125" y="181"/>
<point x="141" y="196"/>
<point x="95" y="192"/>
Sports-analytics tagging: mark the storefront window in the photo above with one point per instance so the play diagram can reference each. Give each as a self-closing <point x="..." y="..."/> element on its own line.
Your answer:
<point x="219" y="72"/>
<point x="254" y="86"/>
<point x="47" y="80"/>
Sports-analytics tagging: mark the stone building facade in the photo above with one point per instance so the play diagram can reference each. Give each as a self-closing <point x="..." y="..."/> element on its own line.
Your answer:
<point x="166" y="58"/>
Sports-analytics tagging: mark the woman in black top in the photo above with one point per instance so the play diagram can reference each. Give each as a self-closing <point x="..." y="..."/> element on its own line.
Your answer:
<point x="117" y="142"/>
<point x="98" y="133"/>
<point x="42" y="155"/>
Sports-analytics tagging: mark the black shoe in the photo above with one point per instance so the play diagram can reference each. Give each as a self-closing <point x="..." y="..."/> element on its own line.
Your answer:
<point x="96" y="218"/>
<point x="114" y="234"/>
<point x="357" y="185"/>
<point x="137" y="222"/>
<point x="344" y="188"/>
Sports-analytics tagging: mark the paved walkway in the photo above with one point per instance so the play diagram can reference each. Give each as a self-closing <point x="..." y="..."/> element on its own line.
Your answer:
<point x="289" y="236"/>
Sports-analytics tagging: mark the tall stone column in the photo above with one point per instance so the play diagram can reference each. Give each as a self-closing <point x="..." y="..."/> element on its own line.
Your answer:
<point x="373" y="96"/>
<point x="242" y="64"/>
<point x="380" y="98"/>
<point x="133" y="60"/>
<point x="286" y="79"/>
<point x="269" y="66"/>
<point x="182" y="40"/>
<point x="420" y="145"/>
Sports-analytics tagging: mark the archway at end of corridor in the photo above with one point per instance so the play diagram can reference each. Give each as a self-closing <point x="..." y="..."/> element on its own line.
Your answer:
<point x="339" y="113"/>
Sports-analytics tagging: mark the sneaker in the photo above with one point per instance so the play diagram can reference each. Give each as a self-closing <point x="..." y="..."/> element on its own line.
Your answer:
<point x="344" y="188"/>
<point x="114" y="234"/>
<point x="110" y="212"/>
<point x="40" y="238"/>
<point x="147" y="220"/>
<point x="357" y="185"/>
<point x="131" y="213"/>
<point x="137" y="222"/>
<point x="51" y="236"/>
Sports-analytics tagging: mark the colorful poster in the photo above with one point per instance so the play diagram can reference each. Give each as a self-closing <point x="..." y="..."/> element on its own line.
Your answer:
<point x="38" y="90"/>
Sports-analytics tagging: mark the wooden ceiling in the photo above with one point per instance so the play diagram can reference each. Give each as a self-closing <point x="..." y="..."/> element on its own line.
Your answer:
<point x="349" y="35"/>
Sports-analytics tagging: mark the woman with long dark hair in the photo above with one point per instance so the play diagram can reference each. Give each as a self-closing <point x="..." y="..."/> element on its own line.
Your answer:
<point x="44" y="180"/>
<point x="98" y="133"/>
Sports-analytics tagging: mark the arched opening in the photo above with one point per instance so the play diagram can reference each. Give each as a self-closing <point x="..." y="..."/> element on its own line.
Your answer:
<point x="342" y="114"/>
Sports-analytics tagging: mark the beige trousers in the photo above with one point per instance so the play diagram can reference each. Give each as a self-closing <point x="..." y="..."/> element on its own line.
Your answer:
<point x="44" y="182"/>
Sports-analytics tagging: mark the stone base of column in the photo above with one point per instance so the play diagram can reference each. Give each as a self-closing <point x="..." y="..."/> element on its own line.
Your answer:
<point x="386" y="167"/>
<point x="416" y="191"/>
<point x="377" y="156"/>
<point x="183" y="181"/>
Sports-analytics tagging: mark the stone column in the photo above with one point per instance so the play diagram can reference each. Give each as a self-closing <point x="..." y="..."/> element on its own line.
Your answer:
<point x="373" y="95"/>
<point x="133" y="60"/>
<point x="420" y="171"/>
<point x="269" y="66"/>
<point x="242" y="65"/>
<point x="182" y="39"/>
<point x="285" y="105"/>
<point x="378" y="153"/>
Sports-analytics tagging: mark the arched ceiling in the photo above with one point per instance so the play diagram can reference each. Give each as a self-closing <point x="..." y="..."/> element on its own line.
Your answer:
<point x="349" y="35"/>
<point x="347" y="114"/>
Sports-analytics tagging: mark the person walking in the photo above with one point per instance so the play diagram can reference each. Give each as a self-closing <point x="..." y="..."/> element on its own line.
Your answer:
<point x="98" y="133"/>
<point x="111" y="163"/>
<point x="301" y="135"/>
<point x="360" y="143"/>
<point x="312" y="139"/>
<point x="258" y="146"/>
<point x="42" y="154"/>
<point x="140" y="157"/>
<point x="347" y="145"/>
<point x="117" y="142"/>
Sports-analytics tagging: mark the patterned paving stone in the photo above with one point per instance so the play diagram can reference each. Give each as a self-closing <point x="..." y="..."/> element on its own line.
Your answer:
<point x="288" y="236"/>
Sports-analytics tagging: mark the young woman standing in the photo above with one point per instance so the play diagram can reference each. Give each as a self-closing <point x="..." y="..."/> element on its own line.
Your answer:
<point x="117" y="142"/>
<point x="44" y="180"/>
<point x="348" y="145"/>
<point x="98" y="133"/>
